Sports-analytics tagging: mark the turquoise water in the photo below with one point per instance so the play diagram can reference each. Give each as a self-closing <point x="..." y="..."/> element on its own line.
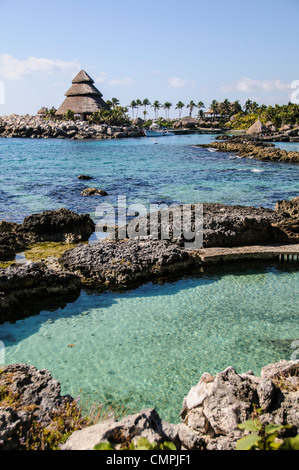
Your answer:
<point x="149" y="346"/>
<point x="39" y="175"/>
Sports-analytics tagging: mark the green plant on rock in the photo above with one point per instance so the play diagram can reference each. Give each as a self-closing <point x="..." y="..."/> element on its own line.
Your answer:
<point x="142" y="444"/>
<point x="263" y="437"/>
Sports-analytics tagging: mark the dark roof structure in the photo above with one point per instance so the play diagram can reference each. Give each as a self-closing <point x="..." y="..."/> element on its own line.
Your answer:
<point x="83" y="97"/>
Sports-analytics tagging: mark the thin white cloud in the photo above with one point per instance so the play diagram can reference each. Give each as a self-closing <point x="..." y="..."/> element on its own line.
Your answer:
<point x="121" y="81"/>
<point x="15" y="69"/>
<point x="249" y="85"/>
<point x="176" y="82"/>
<point x="156" y="72"/>
<point x="101" y="78"/>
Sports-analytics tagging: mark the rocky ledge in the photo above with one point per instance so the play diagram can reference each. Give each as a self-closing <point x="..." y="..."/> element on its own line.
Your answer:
<point x="245" y="146"/>
<point x="126" y="263"/>
<point x="35" y="127"/>
<point x="20" y="285"/>
<point x="50" y="226"/>
<point x="211" y="412"/>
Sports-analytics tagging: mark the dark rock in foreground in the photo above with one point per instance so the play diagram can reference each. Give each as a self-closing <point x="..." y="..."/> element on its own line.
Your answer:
<point x="125" y="263"/>
<point x="32" y="281"/>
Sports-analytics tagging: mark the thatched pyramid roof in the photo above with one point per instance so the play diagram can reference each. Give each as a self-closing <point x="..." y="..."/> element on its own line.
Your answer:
<point x="83" y="97"/>
<point x="257" y="128"/>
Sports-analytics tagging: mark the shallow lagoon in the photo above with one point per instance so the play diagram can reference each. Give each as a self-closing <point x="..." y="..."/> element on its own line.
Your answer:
<point x="147" y="347"/>
<point x="39" y="175"/>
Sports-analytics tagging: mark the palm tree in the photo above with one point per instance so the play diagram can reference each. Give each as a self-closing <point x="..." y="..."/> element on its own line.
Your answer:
<point x="133" y="106"/>
<point x="145" y="103"/>
<point x="114" y="102"/>
<point x="156" y="105"/>
<point x="225" y="108"/>
<point x="191" y="105"/>
<point x="200" y="106"/>
<point x="138" y="104"/>
<point x="215" y="107"/>
<point x="180" y="107"/>
<point x="236" y="107"/>
<point x="167" y="107"/>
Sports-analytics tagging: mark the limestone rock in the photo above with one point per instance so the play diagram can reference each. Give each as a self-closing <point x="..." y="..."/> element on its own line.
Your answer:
<point x="31" y="395"/>
<point x="126" y="262"/>
<point x="32" y="282"/>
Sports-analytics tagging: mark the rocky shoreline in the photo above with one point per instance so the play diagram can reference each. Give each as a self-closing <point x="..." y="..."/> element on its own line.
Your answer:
<point x="31" y="401"/>
<point x="245" y="146"/>
<point x="213" y="409"/>
<point x="36" y="127"/>
<point x="62" y="269"/>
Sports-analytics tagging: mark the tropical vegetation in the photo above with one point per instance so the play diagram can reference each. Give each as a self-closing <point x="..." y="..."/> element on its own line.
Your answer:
<point x="230" y="114"/>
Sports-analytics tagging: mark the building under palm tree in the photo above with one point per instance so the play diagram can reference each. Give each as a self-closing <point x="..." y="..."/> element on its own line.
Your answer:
<point x="83" y="97"/>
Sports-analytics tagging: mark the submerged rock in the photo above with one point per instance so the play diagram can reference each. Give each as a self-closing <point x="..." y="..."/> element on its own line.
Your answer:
<point x="93" y="192"/>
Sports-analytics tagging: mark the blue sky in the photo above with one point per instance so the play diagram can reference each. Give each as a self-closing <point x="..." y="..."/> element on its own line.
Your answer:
<point x="165" y="50"/>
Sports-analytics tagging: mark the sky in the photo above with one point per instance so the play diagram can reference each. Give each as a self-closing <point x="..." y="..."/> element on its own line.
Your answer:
<point x="162" y="50"/>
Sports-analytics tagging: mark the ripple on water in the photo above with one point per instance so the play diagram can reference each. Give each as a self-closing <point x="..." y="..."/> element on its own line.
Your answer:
<point x="147" y="347"/>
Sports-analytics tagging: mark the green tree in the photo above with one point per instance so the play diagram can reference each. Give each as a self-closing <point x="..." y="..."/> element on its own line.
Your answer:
<point x="156" y="105"/>
<point x="200" y="105"/>
<point x="167" y="107"/>
<point x="132" y="105"/>
<point x="180" y="105"/>
<point x="138" y="104"/>
<point x="191" y="106"/>
<point x="114" y="102"/>
<point x="145" y="103"/>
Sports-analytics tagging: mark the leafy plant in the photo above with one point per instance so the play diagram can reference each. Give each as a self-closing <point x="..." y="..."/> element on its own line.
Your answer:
<point x="142" y="444"/>
<point x="264" y="437"/>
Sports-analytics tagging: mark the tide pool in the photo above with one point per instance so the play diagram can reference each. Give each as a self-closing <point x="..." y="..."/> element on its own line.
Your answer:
<point x="147" y="347"/>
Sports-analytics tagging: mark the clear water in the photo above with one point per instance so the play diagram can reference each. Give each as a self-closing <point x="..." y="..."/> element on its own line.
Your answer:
<point x="149" y="346"/>
<point x="39" y="175"/>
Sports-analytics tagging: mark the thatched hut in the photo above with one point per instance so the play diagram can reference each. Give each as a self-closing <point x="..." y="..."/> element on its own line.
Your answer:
<point x="257" y="128"/>
<point x="83" y="97"/>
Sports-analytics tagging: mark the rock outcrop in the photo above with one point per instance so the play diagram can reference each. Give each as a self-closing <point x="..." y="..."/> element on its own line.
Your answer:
<point x="33" y="282"/>
<point x="27" y="395"/>
<point x="126" y="263"/>
<point x="59" y="225"/>
<point x="223" y="225"/>
<point x="248" y="147"/>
